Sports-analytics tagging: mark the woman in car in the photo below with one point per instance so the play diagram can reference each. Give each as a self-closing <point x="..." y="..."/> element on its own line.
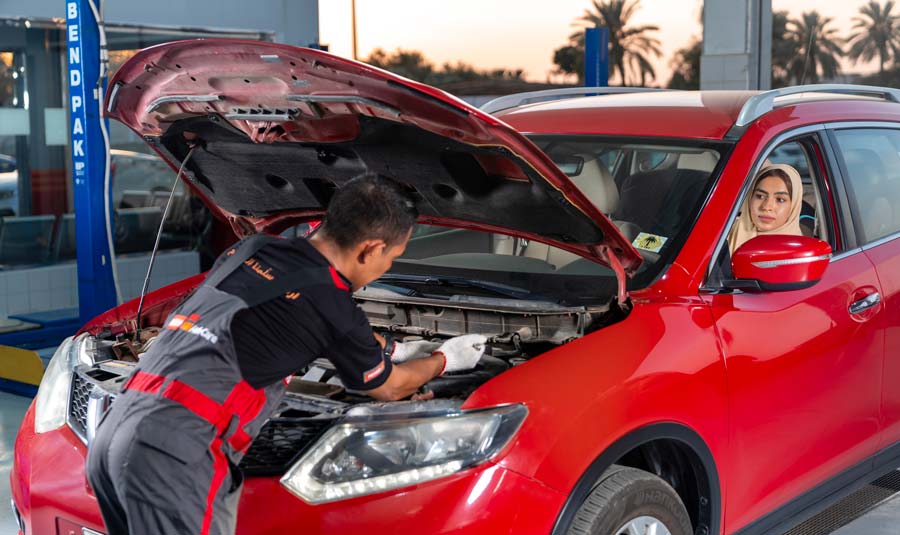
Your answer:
<point x="772" y="207"/>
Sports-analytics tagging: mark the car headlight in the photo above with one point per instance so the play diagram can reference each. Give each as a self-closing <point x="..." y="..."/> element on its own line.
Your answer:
<point x="364" y="456"/>
<point x="53" y="393"/>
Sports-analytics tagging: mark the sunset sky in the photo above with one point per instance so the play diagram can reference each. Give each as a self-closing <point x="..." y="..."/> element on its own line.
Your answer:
<point x="522" y="34"/>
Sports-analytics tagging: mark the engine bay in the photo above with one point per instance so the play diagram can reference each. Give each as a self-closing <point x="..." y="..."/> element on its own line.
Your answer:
<point x="516" y="331"/>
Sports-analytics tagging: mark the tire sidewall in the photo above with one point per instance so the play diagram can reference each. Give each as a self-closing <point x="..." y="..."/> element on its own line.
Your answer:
<point x="642" y="494"/>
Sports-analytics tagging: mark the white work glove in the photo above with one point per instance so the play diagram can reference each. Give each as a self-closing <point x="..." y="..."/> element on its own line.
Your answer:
<point x="404" y="351"/>
<point x="462" y="352"/>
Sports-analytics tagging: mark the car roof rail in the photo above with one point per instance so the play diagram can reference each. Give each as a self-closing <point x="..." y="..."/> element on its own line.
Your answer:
<point x="762" y="103"/>
<point x="530" y="97"/>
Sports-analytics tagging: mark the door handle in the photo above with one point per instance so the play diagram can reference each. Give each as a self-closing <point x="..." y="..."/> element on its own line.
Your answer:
<point x="865" y="303"/>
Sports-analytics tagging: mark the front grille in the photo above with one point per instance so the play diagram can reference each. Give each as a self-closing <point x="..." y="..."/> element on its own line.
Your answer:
<point x="78" y="404"/>
<point x="280" y="442"/>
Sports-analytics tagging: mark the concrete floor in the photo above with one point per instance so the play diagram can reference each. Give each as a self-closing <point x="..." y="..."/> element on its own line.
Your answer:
<point x="884" y="520"/>
<point x="12" y="409"/>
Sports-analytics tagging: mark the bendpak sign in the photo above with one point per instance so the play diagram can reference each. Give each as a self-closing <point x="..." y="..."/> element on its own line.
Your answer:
<point x="96" y="288"/>
<point x="76" y="91"/>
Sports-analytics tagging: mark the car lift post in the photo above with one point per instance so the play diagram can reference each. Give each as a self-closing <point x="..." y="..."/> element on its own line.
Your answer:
<point x="96" y="285"/>
<point x="596" y="57"/>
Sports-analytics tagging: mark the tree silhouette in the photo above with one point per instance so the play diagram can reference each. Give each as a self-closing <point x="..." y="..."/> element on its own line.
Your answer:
<point x="818" y="48"/>
<point x="629" y="47"/>
<point x="784" y="49"/>
<point x="413" y="65"/>
<point x="686" y="66"/>
<point x="877" y="32"/>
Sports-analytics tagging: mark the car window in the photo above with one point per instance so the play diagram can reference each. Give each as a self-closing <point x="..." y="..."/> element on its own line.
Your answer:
<point x="652" y="191"/>
<point x="793" y="153"/>
<point x="815" y="219"/>
<point x="871" y="159"/>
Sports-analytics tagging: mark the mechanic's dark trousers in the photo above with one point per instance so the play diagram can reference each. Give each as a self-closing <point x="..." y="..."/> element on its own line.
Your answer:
<point x="162" y="489"/>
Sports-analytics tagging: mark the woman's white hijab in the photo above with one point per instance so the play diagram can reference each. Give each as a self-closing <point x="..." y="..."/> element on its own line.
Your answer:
<point x="744" y="229"/>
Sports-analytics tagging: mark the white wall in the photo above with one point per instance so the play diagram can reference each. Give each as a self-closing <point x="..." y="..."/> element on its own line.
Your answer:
<point x="294" y="22"/>
<point x="54" y="287"/>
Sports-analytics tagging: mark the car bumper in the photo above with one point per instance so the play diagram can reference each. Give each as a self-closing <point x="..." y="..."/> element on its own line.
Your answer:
<point x="50" y="491"/>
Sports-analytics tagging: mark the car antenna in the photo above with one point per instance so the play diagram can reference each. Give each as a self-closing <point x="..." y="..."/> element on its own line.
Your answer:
<point x="137" y="328"/>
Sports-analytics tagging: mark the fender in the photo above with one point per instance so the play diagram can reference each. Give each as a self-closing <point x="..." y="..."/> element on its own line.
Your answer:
<point x="625" y="444"/>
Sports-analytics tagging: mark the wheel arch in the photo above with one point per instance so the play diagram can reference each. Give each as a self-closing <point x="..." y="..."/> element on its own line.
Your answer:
<point x="702" y="465"/>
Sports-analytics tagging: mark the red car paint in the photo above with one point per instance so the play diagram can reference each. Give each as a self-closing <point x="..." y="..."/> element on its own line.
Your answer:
<point x="801" y="259"/>
<point x="782" y="390"/>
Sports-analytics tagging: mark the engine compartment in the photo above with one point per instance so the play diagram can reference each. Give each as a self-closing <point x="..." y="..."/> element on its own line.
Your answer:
<point x="517" y="331"/>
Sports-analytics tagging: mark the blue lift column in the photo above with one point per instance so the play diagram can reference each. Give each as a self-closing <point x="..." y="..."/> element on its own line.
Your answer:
<point x="96" y="286"/>
<point x="596" y="57"/>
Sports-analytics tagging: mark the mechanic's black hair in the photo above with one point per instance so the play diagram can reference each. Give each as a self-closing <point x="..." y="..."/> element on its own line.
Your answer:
<point x="369" y="207"/>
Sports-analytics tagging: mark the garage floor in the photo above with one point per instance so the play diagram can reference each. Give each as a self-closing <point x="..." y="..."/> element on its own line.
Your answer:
<point x="882" y="520"/>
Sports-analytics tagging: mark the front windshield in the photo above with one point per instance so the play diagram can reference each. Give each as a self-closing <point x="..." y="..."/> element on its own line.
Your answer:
<point x="651" y="190"/>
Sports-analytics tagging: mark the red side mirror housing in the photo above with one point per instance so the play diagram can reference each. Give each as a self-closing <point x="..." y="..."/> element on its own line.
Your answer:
<point x="779" y="262"/>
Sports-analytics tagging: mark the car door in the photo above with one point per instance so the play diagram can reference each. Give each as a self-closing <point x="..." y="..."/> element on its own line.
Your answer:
<point x="870" y="159"/>
<point x="804" y="375"/>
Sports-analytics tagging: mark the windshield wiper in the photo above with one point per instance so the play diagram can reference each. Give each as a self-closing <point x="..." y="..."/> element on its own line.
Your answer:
<point x="462" y="282"/>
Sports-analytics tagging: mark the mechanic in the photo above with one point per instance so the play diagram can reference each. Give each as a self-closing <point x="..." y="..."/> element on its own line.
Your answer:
<point x="165" y="457"/>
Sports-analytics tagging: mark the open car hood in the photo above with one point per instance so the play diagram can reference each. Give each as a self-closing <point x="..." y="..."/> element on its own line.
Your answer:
<point x="277" y="128"/>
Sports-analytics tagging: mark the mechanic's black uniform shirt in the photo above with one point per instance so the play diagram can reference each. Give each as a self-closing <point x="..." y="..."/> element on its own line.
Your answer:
<point x="282" y="336"/>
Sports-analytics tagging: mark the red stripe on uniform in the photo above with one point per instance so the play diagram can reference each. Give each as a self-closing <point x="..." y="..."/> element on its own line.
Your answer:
<point x="243" y="401"/>
<point x="198" y="403"/>
<point x="338" y="281"/>
<point x="145" y="382"/>
<point x="220" y="470"/>
<point x="247" y="402"/>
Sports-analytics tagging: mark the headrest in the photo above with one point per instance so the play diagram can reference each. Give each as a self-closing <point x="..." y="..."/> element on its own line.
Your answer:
<point x="701" y="161"/>
<point x="598" y="185"/>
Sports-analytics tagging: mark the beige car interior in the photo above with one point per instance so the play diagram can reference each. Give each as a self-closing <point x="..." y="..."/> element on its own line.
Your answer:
<point x="598" y="184"/>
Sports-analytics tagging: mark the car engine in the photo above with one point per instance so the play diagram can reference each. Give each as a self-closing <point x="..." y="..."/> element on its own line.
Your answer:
<point x="517" y="331"/>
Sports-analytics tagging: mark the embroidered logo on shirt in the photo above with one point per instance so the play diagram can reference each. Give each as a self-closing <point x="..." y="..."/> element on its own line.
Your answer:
<point x="374" y="372"/>
<point x="189" y="325"/>
<point x="293" y="296"/>
<point x="259" y="269"/>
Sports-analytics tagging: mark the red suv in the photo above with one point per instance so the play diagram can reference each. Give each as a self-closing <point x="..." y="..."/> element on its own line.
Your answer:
<point x="641" y="377"/>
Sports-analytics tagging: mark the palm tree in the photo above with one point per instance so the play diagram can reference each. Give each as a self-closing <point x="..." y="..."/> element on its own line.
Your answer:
<point x="686" y="66"/>
<point x="877" y="32"/>
<point x="817" y="46"/>
<point x="628" y="46"/>
<point x="784" y="49"/>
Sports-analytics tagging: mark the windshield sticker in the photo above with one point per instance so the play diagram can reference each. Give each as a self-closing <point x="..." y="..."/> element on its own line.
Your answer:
<point x="649" y="242"/>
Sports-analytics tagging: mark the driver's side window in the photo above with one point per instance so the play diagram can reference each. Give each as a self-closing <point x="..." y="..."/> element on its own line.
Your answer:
<point x="784" y="196"/>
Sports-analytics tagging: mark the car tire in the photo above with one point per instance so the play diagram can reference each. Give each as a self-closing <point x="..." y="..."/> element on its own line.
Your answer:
<point x="626" y="501"/>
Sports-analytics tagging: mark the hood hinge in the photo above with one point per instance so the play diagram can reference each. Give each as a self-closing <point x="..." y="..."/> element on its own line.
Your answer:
<point x="241" y="226"/>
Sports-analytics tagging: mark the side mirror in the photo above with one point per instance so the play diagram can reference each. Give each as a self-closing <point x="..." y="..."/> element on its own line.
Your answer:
<point x="778" y="263"/>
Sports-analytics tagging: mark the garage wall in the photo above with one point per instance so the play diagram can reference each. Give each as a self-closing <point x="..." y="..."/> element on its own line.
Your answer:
<point x="294" y="22"/>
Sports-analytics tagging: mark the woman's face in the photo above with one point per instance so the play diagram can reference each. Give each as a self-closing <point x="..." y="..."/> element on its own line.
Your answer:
<point x="770" y="205"/>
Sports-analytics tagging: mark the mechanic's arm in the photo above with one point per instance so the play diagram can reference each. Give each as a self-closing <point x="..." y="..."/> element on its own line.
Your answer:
<point x="406" y="378"/>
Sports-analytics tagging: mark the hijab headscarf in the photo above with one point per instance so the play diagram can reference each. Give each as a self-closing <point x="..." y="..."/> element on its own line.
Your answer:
<point x="745" y="230"/>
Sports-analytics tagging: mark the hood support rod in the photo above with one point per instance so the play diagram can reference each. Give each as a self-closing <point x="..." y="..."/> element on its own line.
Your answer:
<point x="137" y="330"/>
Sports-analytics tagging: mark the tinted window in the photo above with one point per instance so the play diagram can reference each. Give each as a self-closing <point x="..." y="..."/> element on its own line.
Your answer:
<point x="872" y="161"/>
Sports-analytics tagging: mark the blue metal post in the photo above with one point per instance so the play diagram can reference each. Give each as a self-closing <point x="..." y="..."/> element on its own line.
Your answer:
<point x="96" y="289"/>
<point x="596" y="57"/>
